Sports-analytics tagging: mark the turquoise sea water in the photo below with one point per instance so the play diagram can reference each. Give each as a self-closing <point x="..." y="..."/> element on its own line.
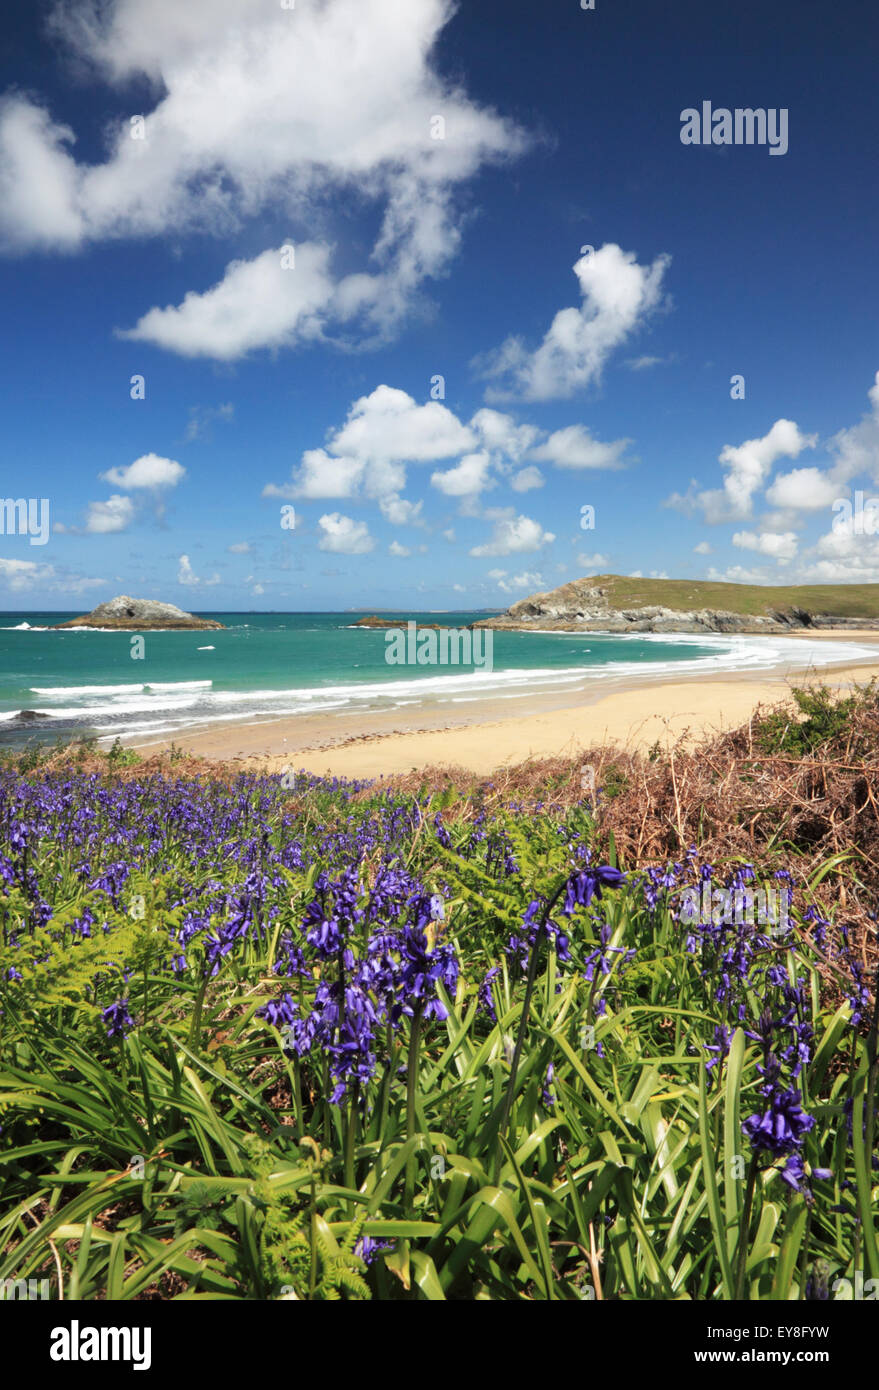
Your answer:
<point x="272" y="665"/>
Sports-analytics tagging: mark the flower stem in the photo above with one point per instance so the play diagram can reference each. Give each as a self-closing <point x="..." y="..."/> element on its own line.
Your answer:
<point x="411" y="1077"/>
<point x="350" y="1133"/>
<point x="523" y="1025"/>
<point x="195" y="1027"/>
<point x="744" y="1228"/>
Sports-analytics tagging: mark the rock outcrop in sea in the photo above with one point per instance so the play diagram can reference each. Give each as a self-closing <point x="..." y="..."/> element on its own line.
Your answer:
<point x="140" y="614"/>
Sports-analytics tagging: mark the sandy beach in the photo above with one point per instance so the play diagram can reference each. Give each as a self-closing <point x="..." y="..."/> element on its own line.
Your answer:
<point x="491" y="734"/>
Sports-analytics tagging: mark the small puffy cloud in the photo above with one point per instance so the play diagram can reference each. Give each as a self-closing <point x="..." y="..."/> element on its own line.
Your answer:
<point x="449" y="534"/>
<point x="459" y="588"/>
<point x="849" y="552"/>
<point x="500" y="434"/>
<point x="257" y="304"/>
<point x="513" y="536"/>
<point x="286" y="490"/>
<point x="703" y="548"/>
<point x="395" y="548"/>
<point x="389" y="424"/>
<point x="594" y="563"/>
<point x="528" y="579"/>
<point x="857" y="449"/>
<point x="321" y="475"/>
<point x="185" y="574"/>
<point x="38" y="180"/>
<point x="747" y="468"/>
<point x="855" y="566"/>
<point x="23" y="575"/>
<point x="383" y="432"/>
<point x="527" y="479"/>
<point x="640" y="364"/>
<point x="574" y="447"/>
<point x="103" y="518"/>
<point x="803" y="489"/>
<point x="239" y="548"/>
<point x="738" y="574"/>
<point x="399" y="512"/>
<point x="467" y="479"/>
<point x="778" y="546"/>
<point x="618" y="295"/>
<point x="20" y="575"/>
<point x="344" y="536"/>
<point x="149" y="471"/>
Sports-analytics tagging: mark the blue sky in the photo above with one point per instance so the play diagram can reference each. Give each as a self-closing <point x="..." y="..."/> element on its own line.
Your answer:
<point x="333" y="205"/>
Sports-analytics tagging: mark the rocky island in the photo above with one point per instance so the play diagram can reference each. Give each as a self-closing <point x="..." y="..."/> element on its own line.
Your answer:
<point x="398" y="623"/>
<point x="615" y="603"/>
<point x="140" y="614"/>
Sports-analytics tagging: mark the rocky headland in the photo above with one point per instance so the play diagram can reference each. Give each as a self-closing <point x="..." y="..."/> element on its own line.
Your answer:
<point x="588" y="605"/>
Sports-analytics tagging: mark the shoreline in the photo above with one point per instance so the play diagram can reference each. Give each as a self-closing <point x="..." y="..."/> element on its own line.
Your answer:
<point x="630" y="711"/>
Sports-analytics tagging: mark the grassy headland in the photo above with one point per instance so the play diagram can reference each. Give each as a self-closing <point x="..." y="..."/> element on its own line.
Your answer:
<point x="750" y="600"/>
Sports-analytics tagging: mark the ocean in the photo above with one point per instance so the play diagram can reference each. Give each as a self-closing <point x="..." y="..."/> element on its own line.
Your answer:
<point x="83" y="682"/>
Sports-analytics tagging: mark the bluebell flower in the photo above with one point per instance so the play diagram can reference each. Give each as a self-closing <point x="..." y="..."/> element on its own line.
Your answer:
<point x="782" y="1126"/>
<point x="117" y="1019"/>
<point x="587" y="883"/>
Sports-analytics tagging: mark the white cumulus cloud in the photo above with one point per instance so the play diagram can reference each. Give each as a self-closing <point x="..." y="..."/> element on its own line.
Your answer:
<point x="780" y="546"/>
<point x="467" y="479"/>
<point x="527" y="479"/>
<point x="344" y="536"/>
<point x="257" y="108"/>
<point x="574" y="447"/>
<point x="803" y="489"/>
<point x="747" y="468"/>
<point x="618" y="295"/>
<point x="148" y="471"/>
<point x="515" y="536"/>
<point x="103" y="518"/>
<point x="186" y="575"/>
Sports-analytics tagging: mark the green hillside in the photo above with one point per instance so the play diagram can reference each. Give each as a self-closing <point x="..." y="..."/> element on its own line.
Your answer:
<point x="754" y="600"/>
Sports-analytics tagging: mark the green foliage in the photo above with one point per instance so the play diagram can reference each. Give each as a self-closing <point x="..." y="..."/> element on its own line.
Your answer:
<point x="120" y="756"/>
<point x="826" y="719"/>
<point x="613" y="782"/>
<point x="246" y="1187"/>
